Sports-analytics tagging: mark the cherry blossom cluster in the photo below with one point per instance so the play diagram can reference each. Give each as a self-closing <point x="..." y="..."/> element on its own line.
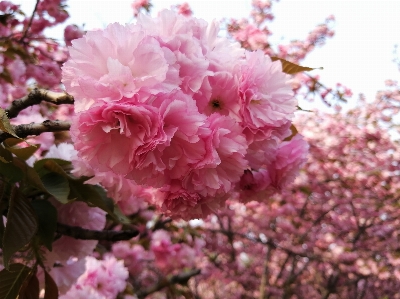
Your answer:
<point x="253" y="33"/>
<point x="28" y="59"/>
<point x="183" y="111"/>
<point x="334" y="232"/>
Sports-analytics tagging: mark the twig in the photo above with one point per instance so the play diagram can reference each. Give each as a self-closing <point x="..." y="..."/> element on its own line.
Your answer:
<point x="181" y="278"/>
<point x="35" y="97"/>
<point x="35" y="129"/>
<point x="87" y="234"/>
<point x="30" y="21"/>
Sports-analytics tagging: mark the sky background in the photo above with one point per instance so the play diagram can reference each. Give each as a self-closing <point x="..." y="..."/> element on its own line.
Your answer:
<point x="359" y="55"/>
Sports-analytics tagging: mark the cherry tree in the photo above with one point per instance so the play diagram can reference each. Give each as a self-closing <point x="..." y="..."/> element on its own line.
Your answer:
<point x="100" y="176"/>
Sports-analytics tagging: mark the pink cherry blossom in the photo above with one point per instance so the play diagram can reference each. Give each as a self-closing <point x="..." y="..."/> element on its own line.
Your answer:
<point x="266" y="98"/>
<point x="115" y="72"/>
<point x="109" y="136"/>
<point x="72" y="32"/>
<point x="102" y="279"/>
<point x="225" y="163"/>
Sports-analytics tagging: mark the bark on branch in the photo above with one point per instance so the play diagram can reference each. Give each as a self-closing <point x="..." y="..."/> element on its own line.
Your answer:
<point x="87" y="234"/>
<point x="35" y="97"/>
<point x="181" y="278"/>
<point x="35" y="129"/>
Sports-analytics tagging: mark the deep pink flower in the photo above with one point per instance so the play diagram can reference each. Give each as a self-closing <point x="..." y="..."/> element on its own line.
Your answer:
<point x="177" y="202"/>
<point x="72" y="32"/>
<point x="184" y="9"/>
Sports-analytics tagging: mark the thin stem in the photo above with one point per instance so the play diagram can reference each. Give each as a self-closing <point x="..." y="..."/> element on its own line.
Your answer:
<point x="87" y="234"/>
<point x="30" y="21"/>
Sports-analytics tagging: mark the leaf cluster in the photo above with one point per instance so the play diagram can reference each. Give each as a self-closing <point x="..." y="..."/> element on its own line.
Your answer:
<point x="26" y="193"/>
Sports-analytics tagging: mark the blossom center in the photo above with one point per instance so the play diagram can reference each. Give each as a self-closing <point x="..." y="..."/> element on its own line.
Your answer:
<point x="216" y="104"/>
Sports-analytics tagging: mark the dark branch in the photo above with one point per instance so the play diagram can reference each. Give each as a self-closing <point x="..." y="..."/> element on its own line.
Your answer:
<point x="181" y="278"/>
<point x="87" y="234"/>
<point x="35" y="129"/>
<point x="35" y="97"/>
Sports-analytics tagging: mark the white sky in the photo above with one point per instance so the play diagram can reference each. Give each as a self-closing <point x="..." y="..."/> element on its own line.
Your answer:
<point x="359" y="55"/>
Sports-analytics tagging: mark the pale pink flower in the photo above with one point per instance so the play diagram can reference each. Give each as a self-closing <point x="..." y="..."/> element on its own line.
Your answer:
<point x="182" y="146"/>
<point x="185" y="38"/>
<point x="262" y="152"/>
<point x="102" y="278"/>
<point x="68" y="252"/>
<point x="219" y="94"/>
<point x="134" y="256"/>
<point x="66" y="276"/>
<point x="100" y="67"/>
<point x="291" y="155"/>
<point x="225" y="163"/>
<point x="170" y="256"/>
<point x="266" y="97"/>
<point x="130" y="197"/>
<point x="47" y="74"/>
<point x="112" y="137"/>
<point x="64" y="151"/>
<point x="17" y="69"/>
<point x="75" y="214"/>
<point x="254" y="185"/>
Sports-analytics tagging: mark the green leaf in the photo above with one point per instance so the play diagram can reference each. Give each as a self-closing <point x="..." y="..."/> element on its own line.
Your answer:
<point x="292" y="68"/>
<point x="10" y="142"/>
<point x="119" y="216"/>
<point x="5" y="154"/>
<point x="21" y="225"/>
<point x="3" y="160"/>
<point x="5" y="124"/>
<point x="30" y="290"/>
<point x="33" y="179"/>
<point x="11" y="280"/>
<point x="96" y="196"/>
<point x="51" y="165"/>
<point x="47" y="220"/>
<point x="51" y="289"/>
<point x="1" y="229"/>
<point x="3" y="207"/>
<point x="91" y="194"/>
<point x="56" y="185"/>
<point x="11" y="172"/>
<point x="24" y="153"/>
<point x="30" y="177"/>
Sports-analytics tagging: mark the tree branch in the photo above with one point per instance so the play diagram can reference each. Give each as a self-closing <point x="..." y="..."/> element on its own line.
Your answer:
<point x="26" y="130"/>
<point x="181" y="278"/>
<point x="30" y="21"/>
<point x="35" y="97"/>
<point x="87" y="234"/>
